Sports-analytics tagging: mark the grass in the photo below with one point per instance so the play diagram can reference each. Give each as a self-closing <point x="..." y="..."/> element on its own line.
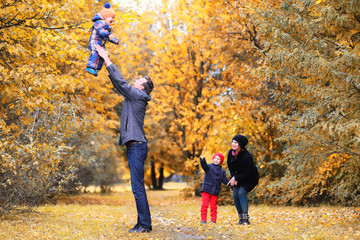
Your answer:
<point x="96" y="216"/>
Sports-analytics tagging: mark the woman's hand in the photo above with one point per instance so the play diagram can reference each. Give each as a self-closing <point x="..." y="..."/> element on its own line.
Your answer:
<point x="232" y="182"/>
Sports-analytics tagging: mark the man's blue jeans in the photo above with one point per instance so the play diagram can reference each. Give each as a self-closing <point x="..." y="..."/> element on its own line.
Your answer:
<point x="136" y="155"/>
<point x="240" y="199"/>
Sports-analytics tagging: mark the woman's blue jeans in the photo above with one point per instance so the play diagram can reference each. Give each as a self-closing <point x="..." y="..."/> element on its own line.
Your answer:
<point x="136" y="155"/>
<point x="240" y="199"/>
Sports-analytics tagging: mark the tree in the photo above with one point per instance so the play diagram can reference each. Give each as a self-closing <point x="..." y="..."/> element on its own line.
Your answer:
<point x="188" y="66"/>
<point x="186" y="71"/>
<point x="49" y="109"/>
<point x="204" y="92"/>
<point x="312" y="58"/>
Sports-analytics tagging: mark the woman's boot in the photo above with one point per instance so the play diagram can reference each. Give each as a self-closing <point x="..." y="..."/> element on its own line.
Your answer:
<point x="245" y="219"/>
<point x="240" y="219"/>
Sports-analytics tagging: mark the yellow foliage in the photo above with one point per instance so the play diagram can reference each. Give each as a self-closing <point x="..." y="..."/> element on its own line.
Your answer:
<point x="330" y="168"/>
<point x="183" y="54"/>
<point x="46" y="96"/>
<point x="220" y="68"/>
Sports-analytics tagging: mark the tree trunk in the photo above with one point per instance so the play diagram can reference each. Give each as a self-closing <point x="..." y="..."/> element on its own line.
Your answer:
<point x="197" y="181"/>
<point x="161" y="177"/>
<point x="153" y="176"/>
<point x="157" y="184"/>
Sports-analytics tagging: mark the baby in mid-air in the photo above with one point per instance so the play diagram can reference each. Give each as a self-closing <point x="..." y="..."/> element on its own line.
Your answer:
<point x="100" y="34"/>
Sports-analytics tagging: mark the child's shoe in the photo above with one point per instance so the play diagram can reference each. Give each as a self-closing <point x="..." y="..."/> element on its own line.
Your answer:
<point x="203" y="222"/>
<point x="92" y="71"/>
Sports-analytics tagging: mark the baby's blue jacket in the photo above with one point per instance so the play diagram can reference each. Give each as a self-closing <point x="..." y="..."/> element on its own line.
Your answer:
<point x="100" y="32"/>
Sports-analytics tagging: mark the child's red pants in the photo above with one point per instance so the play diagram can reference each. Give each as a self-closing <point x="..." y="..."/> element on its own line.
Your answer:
<point x="206" y="198"/>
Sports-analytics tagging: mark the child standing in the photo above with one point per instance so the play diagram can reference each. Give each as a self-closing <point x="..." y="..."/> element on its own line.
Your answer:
<point x="100" y="34"/>
<point x="214" y="176"/>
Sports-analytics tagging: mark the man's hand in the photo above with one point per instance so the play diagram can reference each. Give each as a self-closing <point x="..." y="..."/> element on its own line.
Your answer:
<point x="104" y="54"/>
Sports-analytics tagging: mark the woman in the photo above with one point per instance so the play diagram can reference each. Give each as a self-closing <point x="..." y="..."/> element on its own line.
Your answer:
<point x="244" y="175"/>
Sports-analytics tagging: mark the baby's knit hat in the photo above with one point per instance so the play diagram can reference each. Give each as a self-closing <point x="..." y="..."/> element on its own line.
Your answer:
<point x="107" y="11"/>
<point x="221" y="157"/>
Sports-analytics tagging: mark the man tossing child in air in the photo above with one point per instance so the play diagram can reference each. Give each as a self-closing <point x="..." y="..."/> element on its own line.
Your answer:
<point x="100" y="34"/>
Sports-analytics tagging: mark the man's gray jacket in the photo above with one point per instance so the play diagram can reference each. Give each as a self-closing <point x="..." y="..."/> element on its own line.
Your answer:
<point x="134" y="107"/>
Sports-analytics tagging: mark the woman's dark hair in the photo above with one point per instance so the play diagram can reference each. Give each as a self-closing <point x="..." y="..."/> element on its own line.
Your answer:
<point x="148" y="85"/>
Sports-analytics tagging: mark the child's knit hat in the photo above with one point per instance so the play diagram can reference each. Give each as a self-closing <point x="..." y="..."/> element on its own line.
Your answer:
<point x="107" y="11"/>
<point x="221" y="157"/>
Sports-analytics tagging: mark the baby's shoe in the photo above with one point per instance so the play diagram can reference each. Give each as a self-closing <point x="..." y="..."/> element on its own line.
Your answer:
<point x="92" y="71"/>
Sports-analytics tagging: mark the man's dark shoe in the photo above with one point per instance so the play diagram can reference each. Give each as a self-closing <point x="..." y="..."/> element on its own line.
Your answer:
<point x="142" y="229"/>
<point x="134" y="228"/>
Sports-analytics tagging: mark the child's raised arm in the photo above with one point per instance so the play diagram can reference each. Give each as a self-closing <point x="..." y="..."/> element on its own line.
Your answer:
<point x="203" y="163"/>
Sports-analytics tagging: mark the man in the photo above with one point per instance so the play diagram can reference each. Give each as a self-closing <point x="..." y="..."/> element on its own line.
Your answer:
<point x="132" y="135"/>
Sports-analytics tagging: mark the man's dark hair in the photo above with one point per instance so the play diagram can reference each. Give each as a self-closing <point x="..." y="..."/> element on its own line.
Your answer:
<point x="149" y="85"/>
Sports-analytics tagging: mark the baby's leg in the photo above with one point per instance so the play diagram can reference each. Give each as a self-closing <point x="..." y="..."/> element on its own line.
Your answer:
<point x="93" y="60"/>
<point x="100" y="63"/>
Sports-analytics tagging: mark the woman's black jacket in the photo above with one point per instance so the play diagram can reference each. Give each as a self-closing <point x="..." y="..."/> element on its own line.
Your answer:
<point x="242" y="167"/>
